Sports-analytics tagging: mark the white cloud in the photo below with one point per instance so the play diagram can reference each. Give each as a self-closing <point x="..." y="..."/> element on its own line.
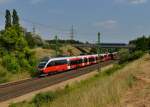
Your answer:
<point x="137" y="1"/>
<point x="108" y="24"/>
<point x="132" y="1"/>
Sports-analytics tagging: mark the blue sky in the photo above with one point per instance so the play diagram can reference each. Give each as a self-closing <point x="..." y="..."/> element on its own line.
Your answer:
<point x="117" y="20"/>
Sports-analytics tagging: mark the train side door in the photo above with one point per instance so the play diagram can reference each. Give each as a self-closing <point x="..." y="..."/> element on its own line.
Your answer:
<point x="68" y="63"/>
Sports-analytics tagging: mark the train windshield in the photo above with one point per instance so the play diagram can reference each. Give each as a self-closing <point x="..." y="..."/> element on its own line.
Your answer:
<point x="43" y="63"/>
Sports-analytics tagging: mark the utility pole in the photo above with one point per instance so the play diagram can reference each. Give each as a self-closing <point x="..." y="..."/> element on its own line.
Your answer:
<point x="56" y="46"/>
<point x="33" y="30"/>
<point x="72" y="33"/>
<point x="98" y="51"/>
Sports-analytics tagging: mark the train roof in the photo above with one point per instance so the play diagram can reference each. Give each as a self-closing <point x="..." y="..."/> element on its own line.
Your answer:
<point x="69" y="57"/>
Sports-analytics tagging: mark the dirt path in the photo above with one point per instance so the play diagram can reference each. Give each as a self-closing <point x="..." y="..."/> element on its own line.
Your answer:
<point x="139" y="94"/>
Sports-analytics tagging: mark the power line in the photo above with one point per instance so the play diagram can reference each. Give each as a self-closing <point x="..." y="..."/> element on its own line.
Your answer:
<point x="50" y="29"/>
<point x="38" y="24"/>
<point x="43" y="25"/>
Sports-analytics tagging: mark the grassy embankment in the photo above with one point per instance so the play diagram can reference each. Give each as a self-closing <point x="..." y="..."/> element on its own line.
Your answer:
<point x="6" y="76"/>
<point x="104" y="89"/>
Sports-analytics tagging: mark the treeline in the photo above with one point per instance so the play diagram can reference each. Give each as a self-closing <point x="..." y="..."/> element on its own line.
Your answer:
<point x="141" y="43"/>
<point x="64" y="41"/>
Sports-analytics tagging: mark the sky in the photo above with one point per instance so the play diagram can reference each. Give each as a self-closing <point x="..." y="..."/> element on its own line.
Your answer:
<point x="118" y="21"/>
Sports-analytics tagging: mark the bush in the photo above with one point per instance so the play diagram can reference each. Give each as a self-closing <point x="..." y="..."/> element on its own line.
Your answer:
<point x="10" y="62"/>
<point x="33" y="61"/>
<point x="136" y="55"/>
<point x="125" y="56"/>
<point x="24" y="63"/>
<point x="112" y="70"/>
<point x="2" y="52"/>
<point x="43" y="97"/>
<point x="46" y="46"/>
<point x="3" y="75"/>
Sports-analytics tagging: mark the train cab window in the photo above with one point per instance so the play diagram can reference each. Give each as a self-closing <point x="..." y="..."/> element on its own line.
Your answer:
<point x="42" y="65"/>
<point x="43" y="62"/>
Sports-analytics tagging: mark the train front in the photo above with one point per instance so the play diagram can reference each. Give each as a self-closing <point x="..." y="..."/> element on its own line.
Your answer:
<point x="42" y="65"/>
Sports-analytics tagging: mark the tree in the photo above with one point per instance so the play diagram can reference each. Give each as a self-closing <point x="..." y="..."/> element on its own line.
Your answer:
<point x="149" y="42"/>
<point x="15" y="18"/>
<point x="38" y="40"/>
<point x="30" y="39"/>
<point x="141" y="43"/>
<point x="13" y="39"/>
<point x="8" y="19"/>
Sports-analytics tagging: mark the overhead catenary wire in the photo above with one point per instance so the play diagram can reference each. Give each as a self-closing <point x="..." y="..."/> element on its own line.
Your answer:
<point x="49" y="29"/>
<point x="37" y="23"/>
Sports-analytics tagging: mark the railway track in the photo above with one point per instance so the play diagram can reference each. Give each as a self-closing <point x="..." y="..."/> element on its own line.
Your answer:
<point x="16" y="89"/>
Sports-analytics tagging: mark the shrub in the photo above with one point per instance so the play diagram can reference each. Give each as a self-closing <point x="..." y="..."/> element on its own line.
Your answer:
<point x="24" y="63"/>
<point x="43" y="97"/>
<point x="2" y="52"/>
<point x="33" y="61"/>
<point x="136" y="55"/>
<point x="33" y="72"/>
<point x="10" y="62"/>
<point x="46" y="46"/>
<point x="3" y="75"/>
<point x="125" y="56"/>
<point x="32" y="69"/>
<point x="112" y="70"/>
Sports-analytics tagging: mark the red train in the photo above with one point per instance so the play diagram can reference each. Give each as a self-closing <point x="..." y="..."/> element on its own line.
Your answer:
<point x="54" y="65"/>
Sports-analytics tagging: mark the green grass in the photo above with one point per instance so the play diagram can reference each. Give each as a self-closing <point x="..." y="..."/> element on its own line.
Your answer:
<point x="3" y="75"/>
<point x="6" y="76"/>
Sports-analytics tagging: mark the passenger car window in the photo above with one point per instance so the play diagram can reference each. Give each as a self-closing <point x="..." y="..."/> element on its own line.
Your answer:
<point x="60" y="62"/>
<point x="52" y="63"/>
<point x="85" y="60"/>
<point x="57" y="62"/>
